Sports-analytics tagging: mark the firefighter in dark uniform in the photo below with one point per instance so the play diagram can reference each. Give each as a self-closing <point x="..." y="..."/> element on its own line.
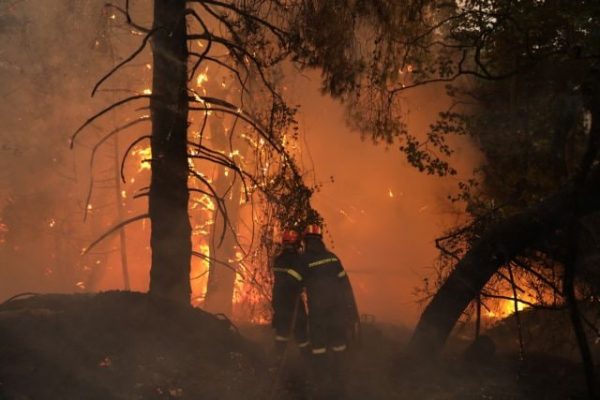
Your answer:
<point x="332" y="312"/>
<point x="289" y="310"/>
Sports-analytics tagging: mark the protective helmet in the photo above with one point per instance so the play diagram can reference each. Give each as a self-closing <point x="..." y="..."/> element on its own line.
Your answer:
<point x="289" y="236"/>
<point x="313" y="229"/>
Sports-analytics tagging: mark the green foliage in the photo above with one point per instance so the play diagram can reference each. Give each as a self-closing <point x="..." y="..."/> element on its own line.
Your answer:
<point x="523" y="88"/>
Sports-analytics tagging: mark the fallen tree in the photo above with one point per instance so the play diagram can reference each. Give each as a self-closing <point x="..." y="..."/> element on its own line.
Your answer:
<point x="495" y="248"/>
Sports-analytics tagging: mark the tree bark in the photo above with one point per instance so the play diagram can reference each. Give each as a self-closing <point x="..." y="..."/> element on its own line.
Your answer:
<point x="495" y="248"/>
<point x="170" y="237"/>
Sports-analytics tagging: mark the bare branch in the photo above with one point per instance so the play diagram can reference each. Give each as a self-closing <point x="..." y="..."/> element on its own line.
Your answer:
<point x="104" y="111"/>
<point x="127" y="16"/>
<point x="93" y="155"/>
<point x="136" y="141"/>
<point x="280" y="33"/>
<point x="128" y="59"/>
<point x="112" y="230"/>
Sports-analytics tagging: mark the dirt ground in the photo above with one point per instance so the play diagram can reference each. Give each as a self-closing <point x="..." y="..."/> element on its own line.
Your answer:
<point x="120" y="345"/>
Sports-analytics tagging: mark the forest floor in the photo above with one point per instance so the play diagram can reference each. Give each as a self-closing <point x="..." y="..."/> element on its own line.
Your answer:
<point x="120" y="345"/>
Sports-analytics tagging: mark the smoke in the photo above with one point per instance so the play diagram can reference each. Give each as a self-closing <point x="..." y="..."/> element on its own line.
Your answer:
<point x="382" y="215"/>
<point x="52" y="54"/>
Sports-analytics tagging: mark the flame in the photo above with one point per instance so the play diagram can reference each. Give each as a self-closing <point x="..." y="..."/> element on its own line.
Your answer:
<point x="144" y="154"/>
<point x="201" y="78"/>
<point x="505" y="308"/>
<point x="508" y="307"/>
<point x="238" y="289"/>
<point x="3" y="231"/>
<point x="199" y="277"/>
<point x="207" y="202"/>
<point x="390" y="193"/>
<point x="147" y="91"/>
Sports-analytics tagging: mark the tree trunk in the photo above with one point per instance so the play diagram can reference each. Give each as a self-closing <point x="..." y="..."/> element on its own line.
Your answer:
<point x="121" y="217"/>
<point x="170" y="238"/>
<point x="221" y="280"/>
<point x="494" y="249"/>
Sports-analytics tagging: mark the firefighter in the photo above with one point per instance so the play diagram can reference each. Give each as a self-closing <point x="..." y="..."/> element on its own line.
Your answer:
<point x="289" y="309"/>
<point x="332" y="312"/>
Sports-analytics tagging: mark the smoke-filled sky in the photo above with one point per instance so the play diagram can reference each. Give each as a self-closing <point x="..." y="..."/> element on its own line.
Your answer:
<point x="381" y="214"/>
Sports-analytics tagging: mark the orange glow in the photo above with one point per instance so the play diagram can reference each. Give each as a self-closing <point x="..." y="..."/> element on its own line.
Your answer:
<point x="503" y="308"/>
<point x="200" y="266"/>
<point x="3" y="232"/>
<point x="144" y="155"/>
<point x="202" y="78"/>
<point x="508" y="307"/>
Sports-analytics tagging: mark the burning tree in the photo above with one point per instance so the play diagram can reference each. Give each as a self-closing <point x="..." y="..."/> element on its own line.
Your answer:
<point x="195" y="126"/>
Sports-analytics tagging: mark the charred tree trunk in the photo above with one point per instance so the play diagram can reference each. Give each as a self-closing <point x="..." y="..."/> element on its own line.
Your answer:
<point x="494" y="249"/>
<point x="170" y="238"/>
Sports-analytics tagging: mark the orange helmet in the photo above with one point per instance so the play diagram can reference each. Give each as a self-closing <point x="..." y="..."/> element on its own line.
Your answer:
<point x="289" y="236"/>
<point x="313" y="229"/>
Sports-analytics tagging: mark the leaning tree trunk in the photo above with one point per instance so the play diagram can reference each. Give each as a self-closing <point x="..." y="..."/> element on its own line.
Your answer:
<point x="501" y="243"/>
<point x="168" y="202"/>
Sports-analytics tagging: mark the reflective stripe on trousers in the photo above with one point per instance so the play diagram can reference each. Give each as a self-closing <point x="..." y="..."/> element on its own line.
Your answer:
<point x="339" y="348"/>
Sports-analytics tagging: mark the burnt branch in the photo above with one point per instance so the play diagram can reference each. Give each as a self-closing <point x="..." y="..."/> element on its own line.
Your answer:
<point x="127" y="60"/>
<point x="112" y="230"/>
<point x="95" y="149"/>
<point x="280" y="33"/>
<point x="127" y="15"/>
<point x="104" y="111"/>
<point x="131" y="146"/>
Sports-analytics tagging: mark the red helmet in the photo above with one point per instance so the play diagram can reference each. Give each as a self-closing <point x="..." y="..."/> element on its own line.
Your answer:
<point x="313" y="229"/>
<point x="289" y="236"/>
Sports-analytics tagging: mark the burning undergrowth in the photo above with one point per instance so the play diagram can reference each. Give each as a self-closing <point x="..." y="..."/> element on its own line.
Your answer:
<point x="119" y="345"/>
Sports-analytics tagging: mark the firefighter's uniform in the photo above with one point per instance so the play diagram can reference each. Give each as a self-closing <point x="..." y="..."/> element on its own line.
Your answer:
<point x="289" y="310"/>
<point x="331" y="311"/>
<point x="331" y="307"/>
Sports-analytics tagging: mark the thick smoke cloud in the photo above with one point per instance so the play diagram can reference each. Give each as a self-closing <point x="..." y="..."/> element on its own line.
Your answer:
<point x="382" y="216"/>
